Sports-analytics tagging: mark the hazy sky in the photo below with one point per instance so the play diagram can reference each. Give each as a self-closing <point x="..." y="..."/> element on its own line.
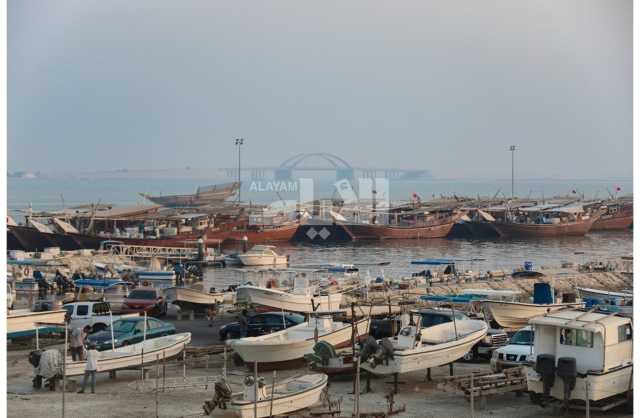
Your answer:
<point x="444" y="85"/>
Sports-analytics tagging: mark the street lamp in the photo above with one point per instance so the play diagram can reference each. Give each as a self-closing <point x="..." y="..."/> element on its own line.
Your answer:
<point x="512" y="148"/>
<point x="239" y="142"/>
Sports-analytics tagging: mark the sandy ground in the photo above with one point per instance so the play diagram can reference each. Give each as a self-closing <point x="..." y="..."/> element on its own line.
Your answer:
<point x="126" y="397"/>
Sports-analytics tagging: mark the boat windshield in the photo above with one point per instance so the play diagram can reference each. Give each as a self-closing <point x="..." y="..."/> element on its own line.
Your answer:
<point x="522" y="337"/>
<point x="123" y="326"/>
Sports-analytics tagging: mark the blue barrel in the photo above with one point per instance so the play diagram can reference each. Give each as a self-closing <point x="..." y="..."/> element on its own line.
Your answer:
<point x="542" y="293"/>
<point x="528" y="265"/>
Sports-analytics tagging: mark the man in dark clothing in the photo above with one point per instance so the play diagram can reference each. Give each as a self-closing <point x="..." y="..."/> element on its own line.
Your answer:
<point x="244" y="323"/>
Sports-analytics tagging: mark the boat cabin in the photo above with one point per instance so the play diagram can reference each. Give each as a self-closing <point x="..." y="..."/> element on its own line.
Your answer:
<point x="599" y="342"/>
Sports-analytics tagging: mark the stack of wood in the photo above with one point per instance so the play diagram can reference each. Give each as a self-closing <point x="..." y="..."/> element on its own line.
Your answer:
<point x="483" y="384"/>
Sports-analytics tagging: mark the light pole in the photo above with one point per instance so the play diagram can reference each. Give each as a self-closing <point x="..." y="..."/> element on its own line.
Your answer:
<point x="239" y="142"/>
<point x="512" y="148"/>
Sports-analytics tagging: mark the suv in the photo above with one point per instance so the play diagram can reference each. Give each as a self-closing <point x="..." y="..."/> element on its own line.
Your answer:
<point x="493" y="340"/>
<point x="515" y="353"/>
<point x="96" y="315"/>
<point x="261" y="324"/>
<point x="147" y="299"/>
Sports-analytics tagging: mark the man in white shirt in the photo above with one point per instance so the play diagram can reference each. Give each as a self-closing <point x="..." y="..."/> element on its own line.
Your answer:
<point x="91" y="368"/>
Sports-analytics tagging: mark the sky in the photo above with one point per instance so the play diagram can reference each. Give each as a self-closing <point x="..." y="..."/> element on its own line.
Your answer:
<point x="441" y="85"/>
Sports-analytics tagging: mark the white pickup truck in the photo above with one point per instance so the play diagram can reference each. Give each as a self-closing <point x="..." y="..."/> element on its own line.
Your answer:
<point x="94" y="314"/>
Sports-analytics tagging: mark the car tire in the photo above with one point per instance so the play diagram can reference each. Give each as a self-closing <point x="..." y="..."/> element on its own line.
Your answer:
<point x="124" y="343"/>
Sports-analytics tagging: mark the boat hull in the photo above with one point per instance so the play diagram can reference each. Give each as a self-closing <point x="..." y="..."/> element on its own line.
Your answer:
<point x="261" y="260"/>
<point x="184" y="295"/>
<point x="364" y="232"/>
<point x="281" y="404"/>
<point x="132" y="356"/>
<point x="287" y="301"/>
<point x="611" y="223"/>
<point x="601" y="385"/>
<point x="281" y="351"/>
<point x="513" y="230"/>
<point x="515" y="315"/>
<point x="20" y="322"/>
<point x="427" y="356"/>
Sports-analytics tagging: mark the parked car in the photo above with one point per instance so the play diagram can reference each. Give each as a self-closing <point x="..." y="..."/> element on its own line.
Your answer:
<point x="129" y="331"/>
<point x="494" y="339"/>
<point x="261" y="324"/>
<point x="147" y="299"/>
<point x="515" y="353"/>
<point x="96" y="315"/>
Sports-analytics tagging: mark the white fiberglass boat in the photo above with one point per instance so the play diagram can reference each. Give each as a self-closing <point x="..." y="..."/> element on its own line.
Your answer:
<point x="431" y="347"/>
<point x="303" y="298"/>
<point x="187" y="296"/>
<point x="290" y="395"/>
<point x="134" y="355"/>
<point x="294" y="342"/>
<point x="21" y="322"/>
<point x="516" y="315"/>
<point x="262" y="255"/>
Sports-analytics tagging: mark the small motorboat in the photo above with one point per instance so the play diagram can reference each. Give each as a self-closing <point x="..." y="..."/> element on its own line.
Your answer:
<point x="263" y="255"/>
<point x="185" y="297"/>
<point x="419" y="349"/>
<point x="303" y="298"/>
<point x="134" y="355"/>
<point x="23" y="322"/>
<point x="283" y="398"/>
<point x="294" y="342"/>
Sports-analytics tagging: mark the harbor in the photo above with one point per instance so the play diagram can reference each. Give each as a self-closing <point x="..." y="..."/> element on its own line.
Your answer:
<point x="319" y="210"/>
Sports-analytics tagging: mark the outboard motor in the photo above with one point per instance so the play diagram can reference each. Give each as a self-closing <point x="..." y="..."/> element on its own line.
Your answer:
<point x="368" y="348"/>
<point x="221" y="395"/>
<point x="383" y="354"/>
<point x="546" y="367"/>
<point x="568" y="372"/>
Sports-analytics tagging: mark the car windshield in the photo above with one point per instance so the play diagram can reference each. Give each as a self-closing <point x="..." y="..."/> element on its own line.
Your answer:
<point x="142" y="294"/>
<point x="524" y="337"/>
<point x="296" y="318"/>
<point x="123" y="326"/>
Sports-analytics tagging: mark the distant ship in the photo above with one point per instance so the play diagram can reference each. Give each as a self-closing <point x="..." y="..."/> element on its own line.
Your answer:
<point x="204" y="196"/>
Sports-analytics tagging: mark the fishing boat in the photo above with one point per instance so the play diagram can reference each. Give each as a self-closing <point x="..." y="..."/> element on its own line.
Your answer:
<point x="186" y="297"/>
<point x="588" y="293"/>
<point x="419" y="349"/>
<point x="415" y="224"/>
<point x="616" y="214"/>
<point x="203" y="196"/>
<point x="263" y="255"/>
<point x="294" y="342"/>
<point x="573" y="347"/>
<point x="303" y="298"/>
<point x="515" y="315"/>
<point x="134" y="355"/>
<point x="283" y="398"/>
<point x="547" y="220"/>
<point x="23" y="322"/>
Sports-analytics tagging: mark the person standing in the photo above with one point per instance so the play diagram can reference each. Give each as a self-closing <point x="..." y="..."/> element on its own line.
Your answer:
<point x="90" y="369"/>
<point x="211" y="313"/>
<point x="244" y="323"/>
<point x="77" y="344"/>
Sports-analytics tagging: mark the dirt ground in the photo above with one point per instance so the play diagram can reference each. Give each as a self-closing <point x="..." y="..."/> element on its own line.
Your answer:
<point x="126" y="396"/>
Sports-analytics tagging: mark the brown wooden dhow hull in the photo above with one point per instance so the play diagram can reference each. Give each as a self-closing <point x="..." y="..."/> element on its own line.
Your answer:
<point x="613" y="223"/>
<point x="543" y="230"/>
<point x="363" y="232"/>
